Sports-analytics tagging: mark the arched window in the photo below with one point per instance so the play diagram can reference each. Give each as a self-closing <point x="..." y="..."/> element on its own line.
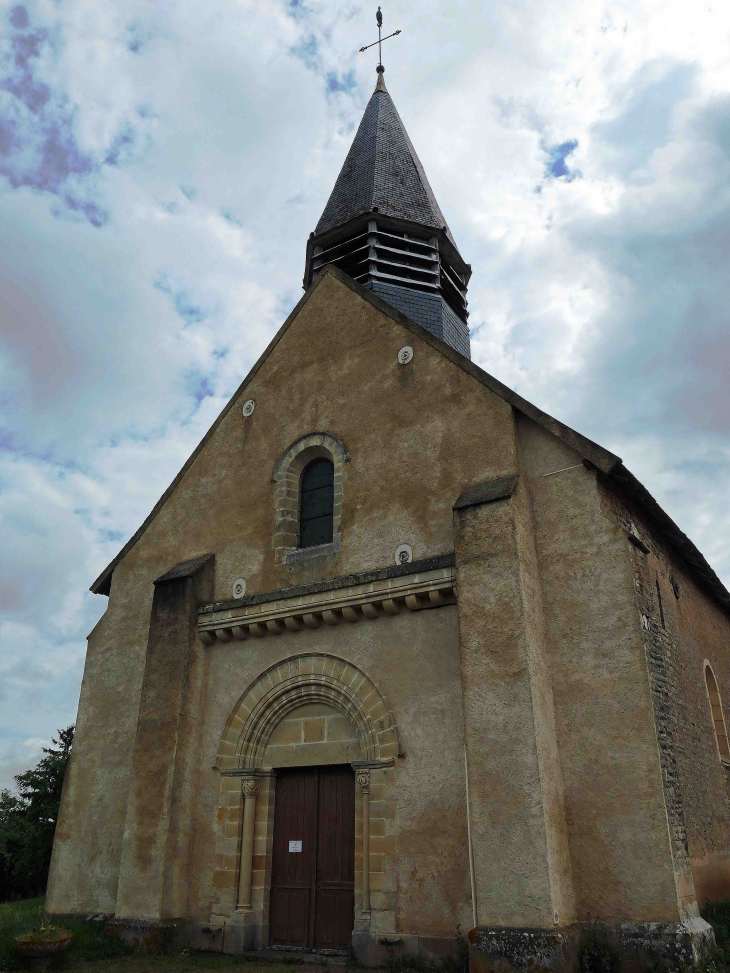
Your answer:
<point x="718" y="720"/>
<point x="316" y="503"/>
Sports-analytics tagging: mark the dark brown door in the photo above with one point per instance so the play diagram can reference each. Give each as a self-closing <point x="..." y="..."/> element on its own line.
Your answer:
<point x="313" y="868"/>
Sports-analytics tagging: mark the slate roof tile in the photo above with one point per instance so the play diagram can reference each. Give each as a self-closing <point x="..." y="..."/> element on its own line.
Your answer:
<point x="383" y="170"/>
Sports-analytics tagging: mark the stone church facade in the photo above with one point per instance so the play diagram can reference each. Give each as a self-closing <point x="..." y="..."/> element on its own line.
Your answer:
<point x="398" y="656"/>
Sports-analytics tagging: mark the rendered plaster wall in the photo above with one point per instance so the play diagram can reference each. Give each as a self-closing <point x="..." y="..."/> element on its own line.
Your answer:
<point x="615" y="809"/>
<point x="521" y="864"/>
<point x="88" y="843"/>
<point x="543" y="705"/>
<point x="417" y="435"/>
<point x="418" y="835"/>
<point x="680" y="634"/>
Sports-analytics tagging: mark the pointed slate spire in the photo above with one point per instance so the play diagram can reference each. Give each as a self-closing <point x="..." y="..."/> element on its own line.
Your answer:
<point x="383" y="226"/>
<point x="382" y="170"/>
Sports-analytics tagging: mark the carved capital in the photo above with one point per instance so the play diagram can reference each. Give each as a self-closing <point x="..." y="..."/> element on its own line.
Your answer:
<point x="250" y="786"/>
<point x="363" y="780"/>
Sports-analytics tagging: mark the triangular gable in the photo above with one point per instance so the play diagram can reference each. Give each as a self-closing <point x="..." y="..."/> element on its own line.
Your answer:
<point x="606" y="462"/>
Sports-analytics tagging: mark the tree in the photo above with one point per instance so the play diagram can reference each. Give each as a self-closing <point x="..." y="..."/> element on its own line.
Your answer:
<point x="28" y="822"/>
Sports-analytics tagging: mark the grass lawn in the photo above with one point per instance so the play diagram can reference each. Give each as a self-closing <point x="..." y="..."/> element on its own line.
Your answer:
<point x="93" y="951"/>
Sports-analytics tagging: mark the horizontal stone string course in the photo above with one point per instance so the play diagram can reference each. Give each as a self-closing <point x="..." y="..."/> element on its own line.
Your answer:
<point x="362" y="607"/>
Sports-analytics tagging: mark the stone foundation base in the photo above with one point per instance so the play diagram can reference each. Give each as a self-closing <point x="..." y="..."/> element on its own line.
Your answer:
<point x="369" y="949"/>
<point x="235" y="934"/>
<point x="500" y="949"/>
<point x="637" y="946"/>
<point x="374" y="949"/>
<point x="147" y="935"/>
<point x="673" y="945"/>
<point x="492" y="949"/>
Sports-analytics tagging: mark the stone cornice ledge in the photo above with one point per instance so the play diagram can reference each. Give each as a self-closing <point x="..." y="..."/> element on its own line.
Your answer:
<point x="356" y="602"/>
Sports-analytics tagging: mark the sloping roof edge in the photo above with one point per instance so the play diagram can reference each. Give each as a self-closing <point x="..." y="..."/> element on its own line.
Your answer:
<point x="606" y="462"/>
<point x="625" y="481"/>
<point x="102" y="584"/>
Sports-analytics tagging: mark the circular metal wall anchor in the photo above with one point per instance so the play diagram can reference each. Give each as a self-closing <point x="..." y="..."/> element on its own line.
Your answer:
<point x="239" y="588"/>
<point x="405" y="355"/>
<point x="403" y="554"/>
<point x="248" y="406"/>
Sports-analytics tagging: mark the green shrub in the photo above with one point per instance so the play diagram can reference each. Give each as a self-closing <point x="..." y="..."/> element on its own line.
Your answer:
<point x="597" y="954"/>
<point x="718" y="916"/>
<point x="28" y="822"/>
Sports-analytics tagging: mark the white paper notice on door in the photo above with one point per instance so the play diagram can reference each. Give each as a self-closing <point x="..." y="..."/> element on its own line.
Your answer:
<point x="295" y="846"/>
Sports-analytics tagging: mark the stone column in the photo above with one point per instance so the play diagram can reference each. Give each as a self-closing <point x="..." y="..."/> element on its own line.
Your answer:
<point x="363" y="780"/>
<point x="250" y="787"/>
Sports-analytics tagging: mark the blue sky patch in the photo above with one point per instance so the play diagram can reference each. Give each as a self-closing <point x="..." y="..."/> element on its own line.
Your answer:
<point x="95" y="214"/>
<point x="19" y="17"/>
<point x="297" y="9"/>
<point x="111" y="535"/>
<point x="556" y="167"/>
<point x="199" y="386"/>
<point x="308" y="51"/>
<point x="342" y="82"/>
<point x="189" y="310"/>
<point x="137" y="37"/>
<point x="119" y="149"/>
<point x="231" y="217"/>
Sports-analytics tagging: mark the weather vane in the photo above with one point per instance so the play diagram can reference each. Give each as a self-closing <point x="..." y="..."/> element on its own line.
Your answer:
<point x="379" y="41"/>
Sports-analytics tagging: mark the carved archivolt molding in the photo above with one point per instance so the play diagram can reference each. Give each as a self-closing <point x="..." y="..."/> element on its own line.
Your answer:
<point x="295" y="682"/>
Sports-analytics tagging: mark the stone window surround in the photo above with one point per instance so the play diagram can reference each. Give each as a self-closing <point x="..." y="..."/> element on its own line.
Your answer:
<point x="724" y="760"/>
<point x="286" y="495"/>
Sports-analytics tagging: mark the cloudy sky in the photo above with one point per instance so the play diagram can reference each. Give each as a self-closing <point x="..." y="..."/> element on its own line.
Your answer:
<point x="162" y="163"/>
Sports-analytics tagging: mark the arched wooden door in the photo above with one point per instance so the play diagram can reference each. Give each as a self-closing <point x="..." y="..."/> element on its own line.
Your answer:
<point x="313" y="867"/>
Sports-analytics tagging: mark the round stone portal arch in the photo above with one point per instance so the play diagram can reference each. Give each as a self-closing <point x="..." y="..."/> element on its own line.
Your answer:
<point x="303" y="689"/>
<point x="303" y="680"/>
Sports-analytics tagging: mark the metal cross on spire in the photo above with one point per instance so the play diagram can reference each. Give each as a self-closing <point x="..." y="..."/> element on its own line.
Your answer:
<point x="379" y="41"/>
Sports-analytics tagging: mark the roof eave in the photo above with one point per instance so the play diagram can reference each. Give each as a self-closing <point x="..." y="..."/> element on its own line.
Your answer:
<point x="627" y="484"/>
